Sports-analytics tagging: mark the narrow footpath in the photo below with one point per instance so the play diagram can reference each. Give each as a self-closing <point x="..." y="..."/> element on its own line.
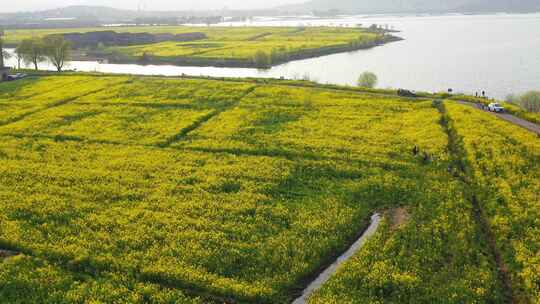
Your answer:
<point x="328" y="272"/>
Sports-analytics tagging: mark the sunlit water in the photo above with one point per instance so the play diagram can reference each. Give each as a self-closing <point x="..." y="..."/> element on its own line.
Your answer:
<point x="496" y="53"/>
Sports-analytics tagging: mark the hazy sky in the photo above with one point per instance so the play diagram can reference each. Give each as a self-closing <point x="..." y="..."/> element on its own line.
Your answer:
<point x="31" y="5"/>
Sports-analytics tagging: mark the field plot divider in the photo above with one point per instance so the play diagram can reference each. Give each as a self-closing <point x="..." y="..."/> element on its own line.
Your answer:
<point x="64" y="138"/>
<point x="201" y="121"/>
<point x="462" y="170"/>
<point x="47" y="107"/>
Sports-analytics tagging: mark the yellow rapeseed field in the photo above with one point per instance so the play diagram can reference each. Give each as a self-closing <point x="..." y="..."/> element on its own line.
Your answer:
<point x="117" y="189"/>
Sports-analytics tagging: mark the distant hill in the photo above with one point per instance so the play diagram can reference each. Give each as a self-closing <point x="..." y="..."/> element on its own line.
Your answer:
<point x="97" y="15"/>
<point x="81" y="13"/>
<point x="89" y="16"/>
<point x="500" y="6"/>
<point x="419" y="6"/>
<point x="101" y="13"/>
<point x="87" y="12"/>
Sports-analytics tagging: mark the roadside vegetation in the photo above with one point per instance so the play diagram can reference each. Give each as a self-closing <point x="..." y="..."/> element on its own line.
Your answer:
<point x="529" y="101"/>
<point x="521" y="106"/>
<point x="180" y="190"/>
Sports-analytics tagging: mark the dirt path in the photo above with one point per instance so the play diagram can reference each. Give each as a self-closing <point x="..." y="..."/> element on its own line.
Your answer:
<point x="509" y="117"/>
<point x="328" y="272"/>
<point x="4" y="254"/>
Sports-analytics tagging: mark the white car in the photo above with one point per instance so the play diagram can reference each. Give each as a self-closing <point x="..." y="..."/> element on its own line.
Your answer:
<point x="495" y="107"/>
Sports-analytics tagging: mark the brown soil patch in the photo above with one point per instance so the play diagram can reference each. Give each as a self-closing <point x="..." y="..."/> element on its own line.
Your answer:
<point x="399" y="217"/>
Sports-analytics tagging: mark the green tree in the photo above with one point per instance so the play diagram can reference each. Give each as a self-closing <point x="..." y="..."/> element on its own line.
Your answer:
<point x="32" y="51"/>
<point x="367" y="80"/>
<point x="530" y="101"/>
<point x="262" y="59"/>
<point x="57" y="50"/>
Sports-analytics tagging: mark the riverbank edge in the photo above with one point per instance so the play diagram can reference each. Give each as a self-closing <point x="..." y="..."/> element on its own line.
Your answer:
<point x="298" y="83"/>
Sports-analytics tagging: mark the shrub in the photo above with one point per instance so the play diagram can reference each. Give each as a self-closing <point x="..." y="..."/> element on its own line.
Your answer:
<point x="367" y="80"/>
<point x="262" y="59"/>
<point x="146" y="57"/>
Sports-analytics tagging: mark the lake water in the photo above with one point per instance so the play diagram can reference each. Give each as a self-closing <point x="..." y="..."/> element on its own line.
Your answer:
<point x="496" y="53"/>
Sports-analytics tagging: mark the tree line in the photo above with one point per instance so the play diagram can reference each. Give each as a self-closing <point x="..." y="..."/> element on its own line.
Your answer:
<point x="54" y="49"/>
<point x="529" y="101"/>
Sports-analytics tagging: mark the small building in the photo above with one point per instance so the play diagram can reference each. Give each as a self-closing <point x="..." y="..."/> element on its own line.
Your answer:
<point x="4" y="71"/>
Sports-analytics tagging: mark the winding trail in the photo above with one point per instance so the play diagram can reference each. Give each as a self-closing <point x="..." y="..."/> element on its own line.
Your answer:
<point x="328" y="272"/>
<point x="509" y="117"/>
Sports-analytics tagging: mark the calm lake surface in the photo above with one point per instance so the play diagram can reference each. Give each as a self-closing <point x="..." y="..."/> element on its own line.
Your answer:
<point x="496" y="53"/>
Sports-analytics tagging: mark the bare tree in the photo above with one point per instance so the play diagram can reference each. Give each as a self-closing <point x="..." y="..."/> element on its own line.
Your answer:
<point x="57" y="50"/>
<point x="32" y="51"/>
<point x="3" y="55"/>
<point x="19" y="56"/>
<point x="1" y="49"/>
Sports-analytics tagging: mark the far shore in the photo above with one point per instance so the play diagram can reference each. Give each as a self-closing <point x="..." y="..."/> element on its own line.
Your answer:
<point x="80" y="55"/>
